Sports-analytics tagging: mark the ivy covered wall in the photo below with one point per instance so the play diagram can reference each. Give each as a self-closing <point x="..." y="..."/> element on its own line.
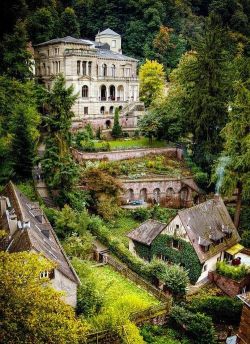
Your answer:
<point x="185" y="255"/>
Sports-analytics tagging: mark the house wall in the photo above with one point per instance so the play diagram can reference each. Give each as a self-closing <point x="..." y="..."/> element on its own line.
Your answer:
<point x="210" y="265"/>
<point x="62" y="283"/>
<point x="131" y="246"/>
<point x="244" y="330"/>
<point x="175" y="227"/>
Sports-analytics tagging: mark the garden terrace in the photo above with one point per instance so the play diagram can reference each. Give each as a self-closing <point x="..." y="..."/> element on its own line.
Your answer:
<point x="117" y="290"/>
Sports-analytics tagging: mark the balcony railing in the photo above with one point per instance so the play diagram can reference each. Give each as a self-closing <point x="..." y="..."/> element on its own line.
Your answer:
<point x="110" y="77"/>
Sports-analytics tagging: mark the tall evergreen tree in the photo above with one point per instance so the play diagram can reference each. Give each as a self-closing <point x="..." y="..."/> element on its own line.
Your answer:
<point x="117" y="129"/>
<point x="237" y="142"/>
<point x="16" y="60"/>
<point x="69" y="23"/>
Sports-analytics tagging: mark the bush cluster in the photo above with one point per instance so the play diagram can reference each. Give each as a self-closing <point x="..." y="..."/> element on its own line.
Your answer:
<point x="230" y="271"/>
<point x="222" y="309"/>
<point x="198" y="327"/>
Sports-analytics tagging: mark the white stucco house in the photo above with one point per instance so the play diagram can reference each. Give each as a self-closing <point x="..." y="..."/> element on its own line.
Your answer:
<point x="102" y="76"/>
<point x="28" y="229"/>
<point x="207" y="227"/>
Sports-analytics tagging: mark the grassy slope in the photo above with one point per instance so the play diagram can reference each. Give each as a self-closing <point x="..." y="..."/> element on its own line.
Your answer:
<point x="121" y="226"/>
<point x="142" y="142"/>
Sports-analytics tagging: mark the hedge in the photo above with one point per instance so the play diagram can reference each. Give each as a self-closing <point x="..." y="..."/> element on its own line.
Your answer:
<point x="222" y="309"/>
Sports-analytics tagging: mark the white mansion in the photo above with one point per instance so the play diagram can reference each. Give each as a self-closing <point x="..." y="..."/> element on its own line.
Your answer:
<point x="102" y="76"/>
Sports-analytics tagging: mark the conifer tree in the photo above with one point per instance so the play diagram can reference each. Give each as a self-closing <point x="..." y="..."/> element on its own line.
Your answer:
<point x="16" y="61"/>
<point x="69" y="23"/>
<point x="237" y="142"/>
<point x="117" y="129"/>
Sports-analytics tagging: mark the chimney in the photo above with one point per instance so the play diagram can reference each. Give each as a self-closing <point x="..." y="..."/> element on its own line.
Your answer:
<point x="26" y="224"/>
<point x="4" y="204"/>
<point x="12" y="221"/>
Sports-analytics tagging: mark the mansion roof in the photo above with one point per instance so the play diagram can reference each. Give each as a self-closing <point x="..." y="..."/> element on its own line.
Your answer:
<point x="108" y="32"/>
<point x="67" y="39"/>
<point x="34" y="232"/>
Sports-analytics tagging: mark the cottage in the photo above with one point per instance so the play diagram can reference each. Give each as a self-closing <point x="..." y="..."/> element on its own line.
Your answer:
<point x="197" y="238"/>
<point x="28" y="229"/>
<point x="102" y="76"/>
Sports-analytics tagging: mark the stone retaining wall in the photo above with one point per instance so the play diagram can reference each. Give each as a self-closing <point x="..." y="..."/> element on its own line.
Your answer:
<point x="228" y="285"/>
<point x="127" y="154"/>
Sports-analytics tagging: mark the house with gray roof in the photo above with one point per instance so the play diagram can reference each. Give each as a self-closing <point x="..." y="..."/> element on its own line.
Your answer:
<point x="28" y="229"/>
<point x="102" y="76"/>
<point x="207" y="227"/>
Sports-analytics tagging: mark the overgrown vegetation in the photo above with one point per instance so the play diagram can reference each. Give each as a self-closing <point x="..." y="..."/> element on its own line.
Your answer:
<point x="231" y="271"/>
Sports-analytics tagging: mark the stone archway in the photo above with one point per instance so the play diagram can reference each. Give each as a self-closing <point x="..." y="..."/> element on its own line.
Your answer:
<point x="183" y="196"/>
<point x="169" y="192"/>
<point x="130" y="195"/>
<point x="102" y="110"/>
<point x="143" y="194"/>
<point x="108" y="124"/>
<point x="156" y="196"/>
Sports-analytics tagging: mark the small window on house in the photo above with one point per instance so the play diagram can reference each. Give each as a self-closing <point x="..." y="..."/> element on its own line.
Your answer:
<point x="175" y="244"/>
<point x="205" y="267"/>
<point x="44" y="274"/>
<point x="177" y="226"/>
<point x="113" y="44"/>
<point x="86" y="110"/>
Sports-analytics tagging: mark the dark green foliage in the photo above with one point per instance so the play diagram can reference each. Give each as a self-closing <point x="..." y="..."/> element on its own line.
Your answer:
<point x="69" y="23"/>
<point x="156" y="212"/>
<point x="185" y="256"/>
<point x="117" y="129"/>
<point x="198" y="327"/>
<point x="89" y="300"/>
<point x="222" y="309"/>
<point x="246" y="238"/>
<point x="236" y="272"/>
<point x="15" y="59"/>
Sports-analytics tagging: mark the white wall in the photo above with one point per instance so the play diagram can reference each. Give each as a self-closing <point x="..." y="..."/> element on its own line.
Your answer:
<point x="210" y="265"/>
<point x="172" y="229"/>
<point x="62" y="283"/>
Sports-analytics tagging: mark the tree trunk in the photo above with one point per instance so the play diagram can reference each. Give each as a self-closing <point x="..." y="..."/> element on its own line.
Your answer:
<point x="238" y="206"/>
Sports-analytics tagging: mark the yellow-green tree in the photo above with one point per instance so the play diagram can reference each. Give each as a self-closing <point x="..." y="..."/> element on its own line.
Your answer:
<point x="31" y="311"/>
<point x="151" y="77"/>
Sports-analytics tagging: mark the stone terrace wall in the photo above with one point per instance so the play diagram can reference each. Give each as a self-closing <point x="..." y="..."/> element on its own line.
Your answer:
<point x="127" y="154"/>
<point x="228" y="285"/>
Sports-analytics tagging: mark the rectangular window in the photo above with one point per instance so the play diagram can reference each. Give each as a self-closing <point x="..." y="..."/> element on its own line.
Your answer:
<point x="78" y="67"/>
<point x="86" y="110"/>
<point x="205" y="267"/>
<point x="90" y="67"/>
<point x="84" y="68"/>
<point x="113" y="44"/>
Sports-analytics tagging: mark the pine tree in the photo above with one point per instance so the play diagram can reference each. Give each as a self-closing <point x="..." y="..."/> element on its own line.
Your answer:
<point x="237" y="142"/>
<point x="16" y="61"/>
<point x="24" y="140"/>
<point x="117" y="129"/>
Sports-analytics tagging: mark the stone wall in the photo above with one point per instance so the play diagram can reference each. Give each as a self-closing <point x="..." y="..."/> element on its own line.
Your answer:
<point x="62" y="283"/>
<point x="171" y="152"/>
<point x="228" y="285"/>
<point x="244" y="330"/>
<point x="169" y="192"/>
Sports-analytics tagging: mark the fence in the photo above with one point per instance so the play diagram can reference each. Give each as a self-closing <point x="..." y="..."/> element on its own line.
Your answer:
<point x="152" y="313"/>
<point x="125" y="271"/>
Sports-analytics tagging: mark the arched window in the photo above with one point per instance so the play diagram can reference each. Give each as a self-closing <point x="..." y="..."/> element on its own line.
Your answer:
<point x="85" y="91"/>
<point x="102" y="110"/>
<point x="120" y="93"/>
<point x="156" y="195"/>
<point x="143" y="194"/>
<point x="112" y="92"/>
<point x="104" y="70"/>
<point x="169" y="192"/>
<point x="111" y="110"/>
<point x="113" y="70"/>
<point x="103" y="92"/>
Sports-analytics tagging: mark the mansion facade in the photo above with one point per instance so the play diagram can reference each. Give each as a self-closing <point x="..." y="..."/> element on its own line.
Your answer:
<point x="102" y="76"/>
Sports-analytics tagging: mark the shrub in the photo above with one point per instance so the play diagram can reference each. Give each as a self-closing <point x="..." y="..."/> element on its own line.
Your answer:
<point x="246" y="238"/>
<point x="79" y="246"/>
<point x="198" y="327"/>
<point x="89" y="300"/>
<point x="28" y="190"/>
<point x="222" y="309"/>
<point x="230" y="271"/>
<point x="88" y="146"/>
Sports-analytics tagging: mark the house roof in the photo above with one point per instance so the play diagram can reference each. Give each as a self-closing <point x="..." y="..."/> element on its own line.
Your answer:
<point x="108" y="32"/>
<point x="67" y="39"/>
<point x="38" y="236"/>
<point x="109" y="54"/>
<point x="245" y="297"/>
<point x="207" y="223"/>
<point x="147" y="231"/>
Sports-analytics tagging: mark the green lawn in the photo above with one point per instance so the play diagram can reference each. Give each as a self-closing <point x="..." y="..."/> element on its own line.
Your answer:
<point x="118" y="291"/>
<point x="122" y="225"/>
<point x="130" y="143"/>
